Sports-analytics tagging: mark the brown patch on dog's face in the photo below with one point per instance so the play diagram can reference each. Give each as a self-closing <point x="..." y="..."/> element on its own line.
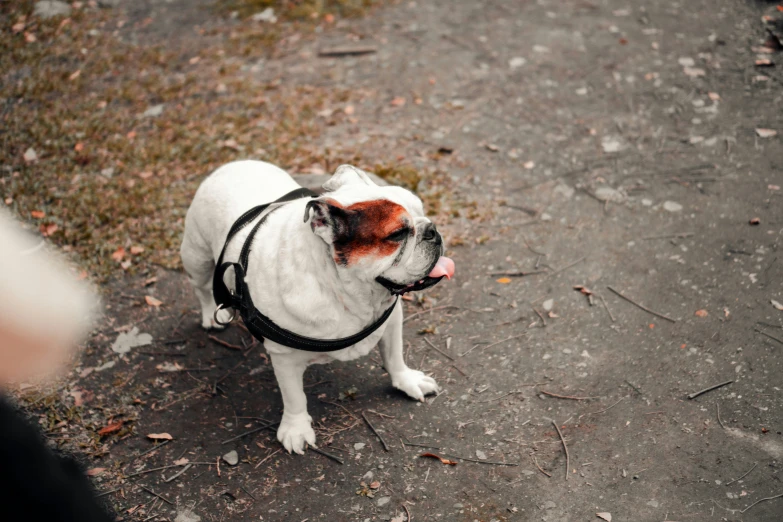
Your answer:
<point x="376" y="228"/>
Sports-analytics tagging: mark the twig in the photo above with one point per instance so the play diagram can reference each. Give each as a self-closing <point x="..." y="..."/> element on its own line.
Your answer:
<point x="629" y="383"/>
<point x="422" y="445"/>
<point x="568" y="458"/>
<point x="489" y="462"/>
<point x="501" y="397"/>
<point x="224" y="343"/>
<point x="174" y="341"/>
<point x="743" y="476"/>
<point x="605" y="409"/>
<point x="341" y="406"/>
<point x="178" y="474"/>
<point x="268" y="457"/>
<point x="329" y="455"/>
<point x="407" y="512"/>
<point x="170" y="354"/>
<point x="249" y="493"/>
<point x="516" y="273"/>
<point x="601" y="297"/>
<point x="642" y="306"/>
<point x="379" y="414"/>
<point x="237" y="365"/>
<point x="717" y="408"/>
<point x="254" y="430"/>
<point x="164" y="499"/>
<point x="493" y="344"/>
<point x="144" y="472"/>
<point x="154" y="448"/>
<point x="438" y="349"/>
<point x="347" y="51"/>
<point x="539" y="467"/>
<point x="768" y="335"/>
<point x="99" y="495"/>
<point x="705" y="390"/>
<point x="539" y="315"/>
<point x="761" y="500"/>
<point x="669" y="236"/>
<point x="569" y="265"/>
<point x="569" y="397"/>
<point x="427" y="310"/>
<point x="385" y="446"/>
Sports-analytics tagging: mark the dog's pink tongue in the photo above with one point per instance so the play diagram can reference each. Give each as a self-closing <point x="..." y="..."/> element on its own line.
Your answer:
<point x="444" y="267"/>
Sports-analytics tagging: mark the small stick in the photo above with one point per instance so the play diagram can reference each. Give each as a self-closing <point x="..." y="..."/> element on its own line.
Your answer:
<point x="606" y="306"/>
<point x="489" y="462"/>
<point x="164" y="499"/>
<point x="568" y="461"/>
<point x="743" y="476"/>
<point x="761" y="500"/>
<point x="268" y="457"/>
<point x="605" y="409"/>
<point x="501" y="342"/>
<point x="379" y="414"/>
<point x="705" y="390"/>
<point x="569" y="265"/>
<point x="770" y="336"/>
<point x="407" y="512"/>
<point x="385" y="446"/>
<point x="174" y="341"/>
<point x="214" y="386"/>
<point x="438" y="349"/>
<point x="348" y="51"/>
<point x="516" y="273"/>
<point x="224" y="343"/>
<point x="108" y="492"/>
<point x="539" y="467"/>
<point x="249" y="493"/>
<point x="642" y="306"/>
<point x="183" y="470"/>
<point x="144" y="472"/>
<point x="217" y="464"/>
<point x="669" y="236"/>
<point x="539" y="315"/>
<point x="637" y="390"/>
<point x="171" y="354"/>
<point x="501" y="397"/>
<point x="155" y="447"/>
<point x="569" y="397"/>
<point x="254" y="430"/>
<point x="329" y="455"/>
<point x="427" y="310"/>
<point x="422" y="445"/>
<point x="459" y="370"/>
<point x="341" y="406"/>
<point x="717" y="408"/>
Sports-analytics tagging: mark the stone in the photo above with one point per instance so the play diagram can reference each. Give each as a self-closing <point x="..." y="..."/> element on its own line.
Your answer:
<point x="153" y="111"/>
<point x="516" y="62"/>
<point x="231" y="458"/>
<point x="51" y="9"/>
<point x="672" y="206"/>
<point x="187" y="516"/>
<point x="608" y="194"/>
<point x="359" y="446"/>
<point x="481" y="455"/>
<point x="382" y="501"/>
<point x="548" y="305"/>
<point x="267" y="15"/>
<point x="128" y="340"/>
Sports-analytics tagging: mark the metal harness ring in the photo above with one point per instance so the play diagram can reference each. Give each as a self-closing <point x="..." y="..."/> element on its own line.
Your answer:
<point x="219" y="308"/>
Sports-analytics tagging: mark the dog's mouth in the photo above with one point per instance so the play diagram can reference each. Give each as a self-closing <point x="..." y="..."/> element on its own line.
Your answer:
<point x="442" y="267"/>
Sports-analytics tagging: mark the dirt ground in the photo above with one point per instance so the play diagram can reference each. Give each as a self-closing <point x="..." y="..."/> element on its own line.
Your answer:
<point x="603" y="143"/>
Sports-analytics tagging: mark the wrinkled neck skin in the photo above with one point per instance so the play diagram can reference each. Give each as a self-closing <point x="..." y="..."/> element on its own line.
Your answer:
<point x="304" y="290"/>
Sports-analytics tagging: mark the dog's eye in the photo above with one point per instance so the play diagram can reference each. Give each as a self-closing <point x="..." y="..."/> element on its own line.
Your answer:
<point x="398" y="235"/>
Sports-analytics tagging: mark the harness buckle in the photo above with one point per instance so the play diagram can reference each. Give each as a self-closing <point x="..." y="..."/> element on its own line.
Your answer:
<point x="221" y="307"/>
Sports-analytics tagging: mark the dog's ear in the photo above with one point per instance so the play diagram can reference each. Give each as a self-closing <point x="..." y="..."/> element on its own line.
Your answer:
<point x="328" y="219"/>
<point x="345" y="175"/>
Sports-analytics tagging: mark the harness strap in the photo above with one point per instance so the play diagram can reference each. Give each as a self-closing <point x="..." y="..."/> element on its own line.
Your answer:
<point x="258" y="324"/>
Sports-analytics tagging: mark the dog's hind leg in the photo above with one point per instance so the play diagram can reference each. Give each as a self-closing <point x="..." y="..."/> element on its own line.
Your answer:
<point x="200" y="267"/>
<point x="413" y="382"/>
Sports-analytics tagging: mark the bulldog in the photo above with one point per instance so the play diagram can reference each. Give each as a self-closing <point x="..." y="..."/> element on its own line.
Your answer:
<point x="319" y="275"/>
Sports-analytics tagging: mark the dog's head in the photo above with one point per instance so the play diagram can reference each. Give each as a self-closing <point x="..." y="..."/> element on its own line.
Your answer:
<point x="377" y="231"/>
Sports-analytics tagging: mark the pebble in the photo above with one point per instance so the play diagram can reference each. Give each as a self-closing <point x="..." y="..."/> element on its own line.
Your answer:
<point x="153" y="111"/>
<point x="458" y="506"/>
<point x="672" y="206"/>
<point x="359" y="446"/>
<point x="231" y="458"/>
<point x="267" y="15"/>
<point x="611" y="144"/>
<point x="481" y="455"/>
<point x="608" y="194"/>
<point x="686" y="61"/>
<point x="653" y="503"/>
<point x="383" y="501"/>
<point x="549" y="505"/>
<point x="51" y="9"/>
<point x="548" y="305"/>
<point x="30" y="155"/>
<point x="516" y="62"/>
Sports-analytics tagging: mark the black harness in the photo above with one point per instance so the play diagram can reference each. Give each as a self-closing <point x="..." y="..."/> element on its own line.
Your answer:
<point x="261" y="326"/>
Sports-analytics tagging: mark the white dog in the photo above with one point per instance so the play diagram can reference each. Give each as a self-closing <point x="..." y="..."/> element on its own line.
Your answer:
<point x="316" y="277"/>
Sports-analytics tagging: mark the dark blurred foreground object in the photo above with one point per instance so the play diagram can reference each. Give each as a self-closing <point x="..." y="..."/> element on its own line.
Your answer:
<point x="35" y="483"/>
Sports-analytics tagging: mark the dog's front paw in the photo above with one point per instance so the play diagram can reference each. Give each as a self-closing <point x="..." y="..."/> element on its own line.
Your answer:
<point x="414" y="383"/>
<point x="295" y="432"/>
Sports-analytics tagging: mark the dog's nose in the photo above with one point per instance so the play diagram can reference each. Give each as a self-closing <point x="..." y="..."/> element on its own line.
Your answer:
<point x="430" y="233"/>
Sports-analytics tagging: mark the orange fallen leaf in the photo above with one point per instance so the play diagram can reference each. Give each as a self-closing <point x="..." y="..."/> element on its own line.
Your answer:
<point x="29" y="37"/>
<point x="504" y="280"/>
<point x="79" y="147"/>
<point x="375" y="484"/>
<point x="145" y="175"/>
<point x="160" y="436"/>
<point x="652" y="325"/>
<point x="94" y="472"/>
<point x="135" y="250"/>
<point x="329" y="18"/>
<point x="37" y="214"/>
<point x="701" y="313"/>
<point x="583" y="289"/>
<point x="152" y="301"/>
<point x="766" y="133"/>
<point x="444" y="461"/>
<point x="398" y="101"/>
<point x="181" y="462"/>
<point x="118" y="254"/>
<point x="111" y="428"/>
<point x="755" y="221"/>
<point x="131" y="135"/>
<point x="48" y="230"/>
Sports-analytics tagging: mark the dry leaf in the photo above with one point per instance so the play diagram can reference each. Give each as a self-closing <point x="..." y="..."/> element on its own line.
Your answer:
<point x="492" y="147"/>
<point x="79" y="147"/>
<point x="181" y="462"/>
<point x="764" y="62"/>
<point x="375" y="484"/>
<point x="348" y="110"/>
<point x="169" y="367"/>
<point x="94" y="472"/>
<point x="37" y="214"/>
<point x="504" y="280"/>
<point x="152" y="301"/>
<point x="726" y="312"/>
<point x="605" y="516"/>
<point x="118" y="254"/>
<point x="75" y="75"/>
<point x="777" y="305"/>
<point x="48" y="230"/>
<point x="398" y="518"/>
<point x="529" y="165"/>
<point x="583" y="289"/>
<point x="755" y="221"/>
<point x="444" y="461"/>
<point x="701" y="313"/>
<point x="136" y="250"/>
<point x="398" y="101"/>
<point x="111" y="428"/>
<point x="159" y="436"/>
<point x="766" y="133"/>
<point x="29" y="37"/>
<point x="329" y="18"/>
